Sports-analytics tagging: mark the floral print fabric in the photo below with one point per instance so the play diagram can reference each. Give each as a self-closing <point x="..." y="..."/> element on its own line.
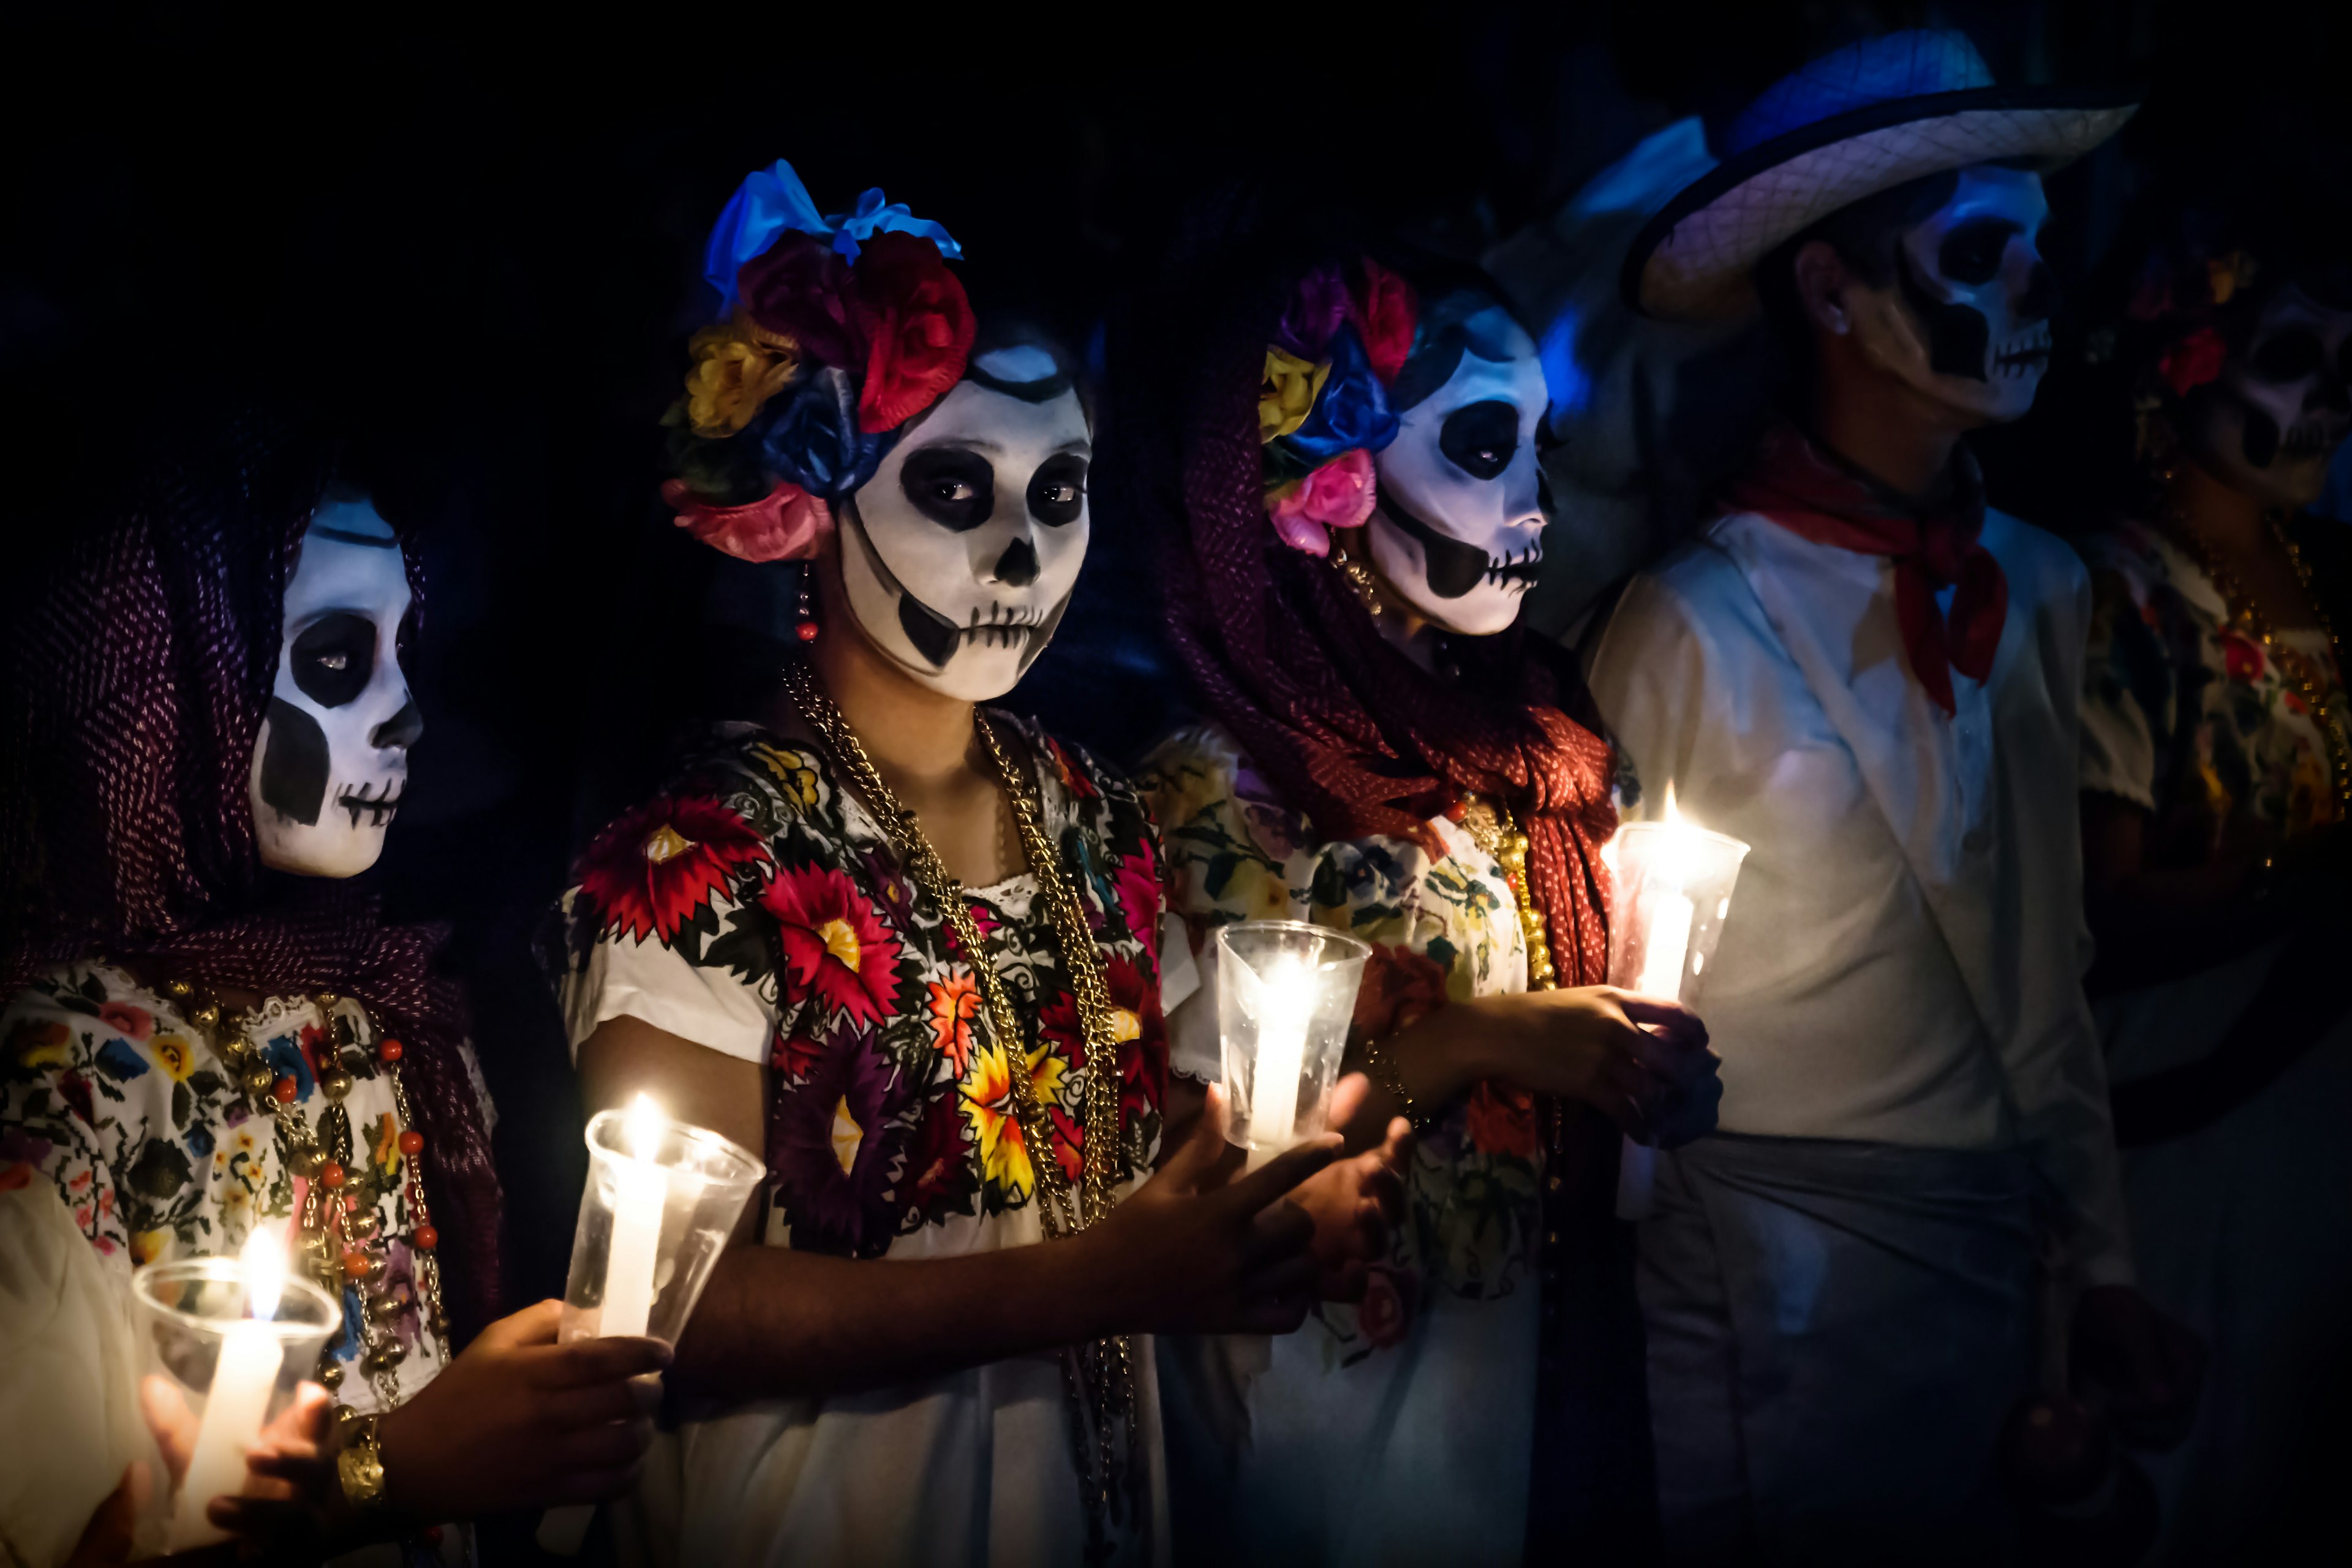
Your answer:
<point x="2185" y="714"/>
<point x="111" y="1094"/>
<point x="757" y="879"/>
<point x="1443" y="929"/>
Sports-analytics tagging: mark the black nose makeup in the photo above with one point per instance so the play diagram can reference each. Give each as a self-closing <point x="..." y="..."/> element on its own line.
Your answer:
<point x="2040" y="300"/>
<point x="1018" y="565"/>
<point x="401" y="730"/>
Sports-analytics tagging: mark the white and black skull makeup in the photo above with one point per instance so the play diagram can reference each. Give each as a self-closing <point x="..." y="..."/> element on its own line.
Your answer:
<point x="1459" y="528"/>
<point x="333" y="756"/>
<point x="1966" y="317"/>
<point x="959" y="553"/>
<point x="2270" y="425"/>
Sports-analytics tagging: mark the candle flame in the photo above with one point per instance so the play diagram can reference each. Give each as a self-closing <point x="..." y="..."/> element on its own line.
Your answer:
<point x="642" y="1128"/>
<point x="1673" y="816"/>
<point x="264" y="1261"/>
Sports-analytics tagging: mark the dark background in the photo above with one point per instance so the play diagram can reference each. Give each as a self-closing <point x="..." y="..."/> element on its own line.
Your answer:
<point x="479" y="243"/>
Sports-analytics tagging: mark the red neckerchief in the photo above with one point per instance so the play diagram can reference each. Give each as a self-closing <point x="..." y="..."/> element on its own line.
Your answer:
<point x="1812" y="492"/>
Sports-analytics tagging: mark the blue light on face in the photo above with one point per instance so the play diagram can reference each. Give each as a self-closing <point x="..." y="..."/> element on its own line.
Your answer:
<point x="1568" y="382"/>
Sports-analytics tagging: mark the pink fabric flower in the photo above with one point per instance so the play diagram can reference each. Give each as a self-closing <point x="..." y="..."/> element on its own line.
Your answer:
<point x="1340" y="494"/>
<point x="131" y="1022"/>
<point x="786" y="524"/>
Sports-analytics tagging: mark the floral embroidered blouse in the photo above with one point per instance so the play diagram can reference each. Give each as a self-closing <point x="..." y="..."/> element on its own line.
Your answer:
<point x="754" y="907"/>
<point x="108" y="1091"/>
<point x="1442" y="929"/>
<point x="2185" y="715"/>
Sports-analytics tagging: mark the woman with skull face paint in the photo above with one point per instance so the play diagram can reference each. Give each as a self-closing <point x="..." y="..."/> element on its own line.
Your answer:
<point x="1872" y="678"/>
<point x="2215" y="774"/>
<point x="910" y="949"/>
<point x="1362" y="521"/>
<point x="210" y="1032"/>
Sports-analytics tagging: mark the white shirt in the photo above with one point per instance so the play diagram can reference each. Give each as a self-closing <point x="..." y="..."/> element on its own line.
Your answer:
<point x="1902" y="959"/>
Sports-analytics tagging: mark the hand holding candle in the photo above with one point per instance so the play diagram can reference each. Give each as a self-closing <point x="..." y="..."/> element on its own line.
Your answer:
<point x="1286" y="991"/>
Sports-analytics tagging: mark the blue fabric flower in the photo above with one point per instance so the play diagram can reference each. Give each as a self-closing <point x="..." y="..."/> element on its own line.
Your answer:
<point x="810" y="436"/>
<point x="284" y="1057"/>
<point x="772" y="200"/>
<point x="1352" y="413"/>
<point x="117" y="1061"/>
<point x="199" y="1141"/>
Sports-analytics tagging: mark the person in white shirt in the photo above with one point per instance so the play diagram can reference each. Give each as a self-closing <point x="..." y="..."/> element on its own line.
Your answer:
<point x="1872" y="680"/>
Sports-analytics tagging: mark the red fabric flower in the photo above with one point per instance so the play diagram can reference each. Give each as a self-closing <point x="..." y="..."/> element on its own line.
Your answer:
<point x="1385" y="313"/>
<point x="794" y="1056"/>
<point x="2242" y="657"/>
<point x="800" y="287"/>
<point x="132" y="1023"/>
<point x="1401" y="987"/>
<point x="1502" y="1120"/>
<point x="786" y="524"/>
<point x="837" y="945"/>
<point x="939" y="1166"/>
<point x="1136" y="880"/>
<point x="954" y="1004"/>
<point x="1073" y="777"/>
<point x="2193" y="361"/>
<point x="1141" y="1029"/>
<point x="917" y="326"/>
<point x="1386" y="1312"/>
<point x="653" y="871"/>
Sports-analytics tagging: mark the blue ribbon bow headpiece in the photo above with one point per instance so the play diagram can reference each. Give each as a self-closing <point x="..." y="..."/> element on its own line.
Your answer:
<point x="772" y="200"/>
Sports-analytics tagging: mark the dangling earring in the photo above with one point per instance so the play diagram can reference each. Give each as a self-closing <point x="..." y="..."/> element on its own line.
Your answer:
<point x="806" y="628"/>
<point x="1360" y="578"/>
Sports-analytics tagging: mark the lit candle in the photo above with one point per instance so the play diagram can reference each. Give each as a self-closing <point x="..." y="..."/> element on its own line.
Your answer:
<point x="1666" y="914"/>
<point x="1286" y="997"/>
<point x="244" y="1378"/>
<point x="642" y="1193"/>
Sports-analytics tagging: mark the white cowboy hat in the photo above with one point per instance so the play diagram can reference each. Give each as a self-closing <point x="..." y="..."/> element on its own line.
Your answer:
<point x="1850" y="124"/>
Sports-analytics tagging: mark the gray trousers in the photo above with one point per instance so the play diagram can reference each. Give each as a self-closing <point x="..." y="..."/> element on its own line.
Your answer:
<point x="1836" y="1331"/>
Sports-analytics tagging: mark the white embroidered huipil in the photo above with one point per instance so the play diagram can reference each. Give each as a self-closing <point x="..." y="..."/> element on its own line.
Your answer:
<point x="1904" y="961"/>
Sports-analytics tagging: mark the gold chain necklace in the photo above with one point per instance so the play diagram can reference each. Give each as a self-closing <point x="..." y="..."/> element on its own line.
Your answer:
<point x="1490" y="828"/>
<point x="2240" y="605"/>
<point x="1099" y="1377"/>
<point x="339" y="1240"/>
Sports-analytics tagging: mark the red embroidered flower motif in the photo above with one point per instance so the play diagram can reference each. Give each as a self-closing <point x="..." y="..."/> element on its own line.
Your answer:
<point x="917" y="326"/>
<point x="794" y="1056"/>
<point x="132" y="1023"/>
<point x="75" y="1088"/>
<point x="1139" y="1025"/>
<point x="1385" y="314"/>
<point x="653" y="871"/>
<point x="1074" y="778"/>
<point x="1136" y="882"/>
<point x="2193" y="361"/>
<point x="2242" y="657"/>
<point x="939" y="1167"/>
<point x="955" y="1003"/>
<point x="1502" y="1120"/>
<point x="1386" y="1312"/>
<point x="800" y="287"/>
<point x="837" y="946"/>
<point x="1401" y="987"/>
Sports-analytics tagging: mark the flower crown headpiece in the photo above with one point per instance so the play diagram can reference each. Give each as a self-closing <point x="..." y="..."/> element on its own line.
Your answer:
<point x="834" y="331"/>
<point x="2181" y="289"/>
<point x="1323" y="406"/>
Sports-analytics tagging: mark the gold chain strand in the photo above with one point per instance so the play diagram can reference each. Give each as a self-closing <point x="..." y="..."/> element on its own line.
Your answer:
<point x="1098" y="1378"/>
<point x="2239" y="606"/>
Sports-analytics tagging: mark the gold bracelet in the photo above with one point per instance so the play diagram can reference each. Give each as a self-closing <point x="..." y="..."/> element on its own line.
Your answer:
<point x="1383" y="1070"/>
<point x="360" y="1466"/>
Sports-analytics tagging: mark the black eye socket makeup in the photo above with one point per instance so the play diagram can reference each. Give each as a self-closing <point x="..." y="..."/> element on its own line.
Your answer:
<point x="1480" y="438"/>
<point x="954" y="487"/>
<point x="1972" y="253"/>
<point x="1057" y="492"/>
<point x="333" y="657"/>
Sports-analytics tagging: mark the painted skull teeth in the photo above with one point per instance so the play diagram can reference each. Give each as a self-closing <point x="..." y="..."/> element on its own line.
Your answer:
<point x="2311" y="440"/>
<point x="2025" y="354"/>
<point x="1516" y="571"/>
<point x="380" y="808"/>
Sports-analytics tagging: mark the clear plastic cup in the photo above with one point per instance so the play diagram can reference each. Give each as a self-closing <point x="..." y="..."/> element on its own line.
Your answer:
<point x="1674" y="886"/>
<point x="234" y="1370"/>
<point x="1286" y="993"/>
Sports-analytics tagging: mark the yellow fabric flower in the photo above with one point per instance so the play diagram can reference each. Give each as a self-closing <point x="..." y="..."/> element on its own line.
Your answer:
<point x="1288" y="395"/>
<point x="146" y="1246"/>
<point x="41" y="1043"/>
<point x="792" y="771"/>
<point x="988" y="1106"/>
<point x="733" y="376"/>
<point x="175" y="1056"/>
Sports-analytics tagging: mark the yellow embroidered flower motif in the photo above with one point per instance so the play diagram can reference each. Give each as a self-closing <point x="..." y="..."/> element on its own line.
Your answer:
<point x="792" y="772"/>
<point x="732" y="378"/>
<point x="1288" y="395"/>
<point x="847" y="1137"/>
<point x="175" y="1056"/>
<point x="1125" y="1026"/>
<point x="842" y="941"/>
<point x="996" y="1126"/>
<point x="146" y="1246"/>
<point x="41" y="1043"/>
<point x="665" y="844"/>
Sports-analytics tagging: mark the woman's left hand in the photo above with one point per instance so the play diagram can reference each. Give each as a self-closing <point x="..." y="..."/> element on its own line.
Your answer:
<point x="291" y="1489"/>
<point x="1354" y="1201"/>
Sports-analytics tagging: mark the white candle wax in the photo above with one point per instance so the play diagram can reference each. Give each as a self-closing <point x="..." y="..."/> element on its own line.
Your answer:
<point x="1286" y="1003"/>
<point x="245" y="1375"/>
<point x="1667" y="918"/>
<point x="641" y="1193"/>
